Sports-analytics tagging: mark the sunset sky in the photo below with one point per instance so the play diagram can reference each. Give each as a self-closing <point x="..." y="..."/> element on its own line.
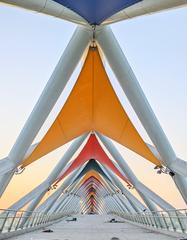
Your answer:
<point x="30" y="47"/>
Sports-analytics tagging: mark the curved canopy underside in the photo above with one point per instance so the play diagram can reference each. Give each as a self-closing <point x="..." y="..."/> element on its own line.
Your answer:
<point x="93" y="150"/>
<point x="90" y="166"/>
<point x="96" y="11"/>
<point x="92" y="183"/>
<point x="91" y="175"/>
<point x="92" y="106"/>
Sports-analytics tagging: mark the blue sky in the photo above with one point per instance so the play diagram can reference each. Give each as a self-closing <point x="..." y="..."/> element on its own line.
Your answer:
<point x="155" y="45"/>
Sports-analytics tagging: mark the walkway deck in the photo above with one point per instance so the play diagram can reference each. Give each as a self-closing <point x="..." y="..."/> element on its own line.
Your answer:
<point x="93" y="227"/>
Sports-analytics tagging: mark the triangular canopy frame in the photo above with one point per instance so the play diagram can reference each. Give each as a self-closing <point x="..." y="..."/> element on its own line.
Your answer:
<point x="93" y="150"/>
<point x="88" y="109"/>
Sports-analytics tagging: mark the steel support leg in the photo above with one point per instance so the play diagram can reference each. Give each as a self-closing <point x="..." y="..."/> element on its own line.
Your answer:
<point x="136" y="97"/>
<point x="145" y="193"/>
<point x="47" y="100"/>
<point x="43" y="187"/>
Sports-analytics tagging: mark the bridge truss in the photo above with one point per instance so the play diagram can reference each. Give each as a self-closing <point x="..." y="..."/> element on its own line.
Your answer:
<point x="93" y="182"/>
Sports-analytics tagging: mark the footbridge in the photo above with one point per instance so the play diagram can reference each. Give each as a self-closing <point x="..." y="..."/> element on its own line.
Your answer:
<point x="93" y="182"/>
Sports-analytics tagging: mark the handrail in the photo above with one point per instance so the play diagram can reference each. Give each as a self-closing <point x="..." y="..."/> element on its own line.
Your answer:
<point x="13" y="210"/>
<point x="171" y="220"/>
<point x="12" y="220"/>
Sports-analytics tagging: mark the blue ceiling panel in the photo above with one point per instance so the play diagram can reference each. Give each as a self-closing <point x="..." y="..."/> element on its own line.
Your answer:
<point x="96" y="11"/>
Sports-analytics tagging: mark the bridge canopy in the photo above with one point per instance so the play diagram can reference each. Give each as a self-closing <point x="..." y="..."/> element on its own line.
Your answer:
<point x="96" y="11"/>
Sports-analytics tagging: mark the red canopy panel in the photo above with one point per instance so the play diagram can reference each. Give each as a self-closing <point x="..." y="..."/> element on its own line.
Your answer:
<point x="93" y="150"/>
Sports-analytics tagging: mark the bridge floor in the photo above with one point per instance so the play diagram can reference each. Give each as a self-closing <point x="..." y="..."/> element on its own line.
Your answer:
<point x="93" y="227"/>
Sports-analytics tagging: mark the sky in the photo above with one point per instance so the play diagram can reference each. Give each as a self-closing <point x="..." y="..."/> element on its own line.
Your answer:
<point x="30" y="47"/>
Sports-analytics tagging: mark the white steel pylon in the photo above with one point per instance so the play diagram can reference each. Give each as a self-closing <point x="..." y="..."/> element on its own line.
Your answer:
<point x="101" y="35"/>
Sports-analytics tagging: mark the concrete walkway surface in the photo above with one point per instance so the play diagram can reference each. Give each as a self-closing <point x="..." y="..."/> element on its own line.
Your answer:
<point x="94" y="227"/>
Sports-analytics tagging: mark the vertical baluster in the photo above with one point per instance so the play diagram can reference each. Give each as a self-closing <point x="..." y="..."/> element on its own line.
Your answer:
<point x="180" y="221"/>
<point x="171" y="220"/>
<point x="19" y="219"/>
<point x="4" y="222"/>
<point x="164" y="220"/>
<point x="12" y="221"/>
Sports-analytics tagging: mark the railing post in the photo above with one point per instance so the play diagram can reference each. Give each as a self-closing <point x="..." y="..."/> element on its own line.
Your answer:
<point x="146" y="220"/>
<point x="171" y="220"/>
<point x="47" y="218"/>
<point x="4" y="222"/>
<point x="154" y="215"/>
<point x="17" y="226"/>
<point x="42" y="219"/>
<point x="33" y="218"/>
<point x="151" y="219"/>
<point x="163" y="216"/>
<point x="180" y="222"/>
<point x="13" y="218"/>
<point x="38" y="219"/>
<point x="28" y="221"/>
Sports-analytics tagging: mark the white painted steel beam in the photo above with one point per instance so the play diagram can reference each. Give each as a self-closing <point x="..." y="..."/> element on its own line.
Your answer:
<point x="132" y="199"/>
<point x="56" y="84"/>
<point x="137" y="98"/>
<point x="42" y="188"/>
<point x="48" y="7"/>
<point x="143" y="191"/>
<point x="68" y="181"/>
<point x="145" y="7"/>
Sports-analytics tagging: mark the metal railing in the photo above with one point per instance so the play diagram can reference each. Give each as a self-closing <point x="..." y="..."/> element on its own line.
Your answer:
<point x="11" y="220"/>
<point x="172" y="220"/>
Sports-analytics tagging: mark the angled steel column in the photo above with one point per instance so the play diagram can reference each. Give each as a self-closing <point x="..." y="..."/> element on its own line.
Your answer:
<point x="62" y="199"/>
<point x="124" y="206"/>
<point x="148" y="202"/>
<point x="43" y="187"/>
<point x="180" y="169"/>
<point x="64" y="205"/>
<point x="131" y="198"/>
<point x="113" y="204"/>
<point x="77" y="204"/>
<point x="67" y="203"/>
<point x="48" y="7"/>
<point x="136" y="205"/>
<point x="106" y="209"/>
<point x="70" y="204"/>
<point x="107" y="204"/>
<point x="136" y="97"/>
<point x="146" y="194"/>
<point x="144" y="8"/>
<point x="69" y="180"/>
<point x="124" y="202"/>
<point x="61" y="204"/>
<point x="50" y="200"/>
<point x="134" y="202"/>
<point x="124" y="199"/>
<point x="44" y="105"/>
<point x="58" y="201"/>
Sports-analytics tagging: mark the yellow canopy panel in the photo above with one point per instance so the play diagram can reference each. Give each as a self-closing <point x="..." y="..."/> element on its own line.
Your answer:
<point x="92" y="106"/>
<point x="89" y="174"/>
